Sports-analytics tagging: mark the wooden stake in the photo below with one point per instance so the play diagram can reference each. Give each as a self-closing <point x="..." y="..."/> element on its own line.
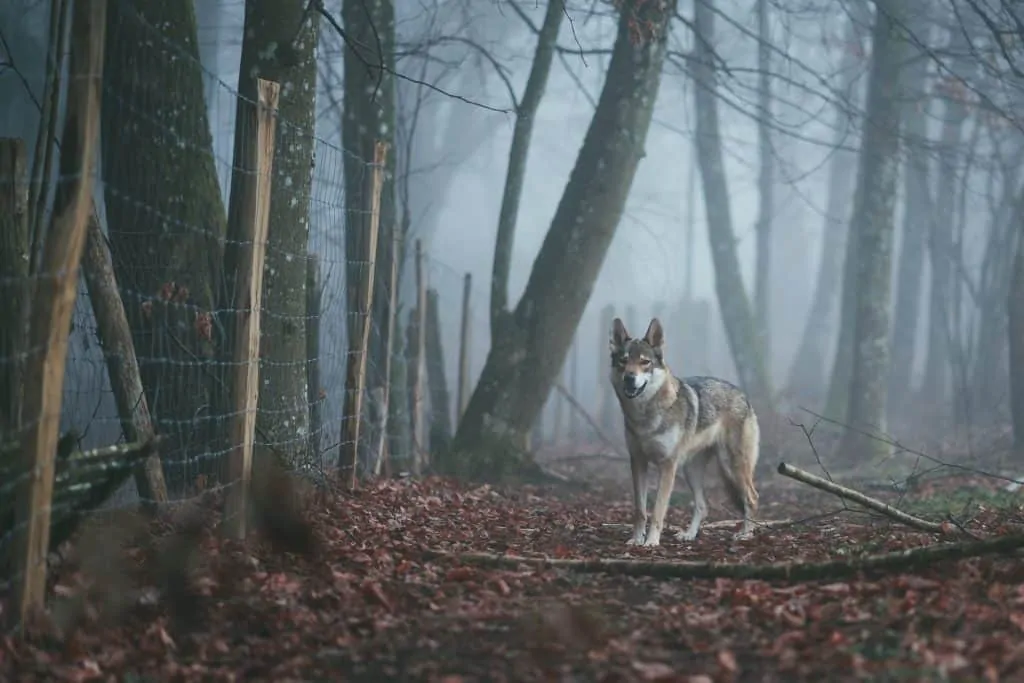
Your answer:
<point x="464" y="339"/>
<point x="52" y="305"/>
<point x="418" y="426"/>
<point x="359" y="340"/>
<point x="250" y="252"/>
<point x="122" y="366"/>
<point x="382" y="446"/>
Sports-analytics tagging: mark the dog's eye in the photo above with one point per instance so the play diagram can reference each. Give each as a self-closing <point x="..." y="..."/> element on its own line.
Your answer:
<point x="645" y="362"/>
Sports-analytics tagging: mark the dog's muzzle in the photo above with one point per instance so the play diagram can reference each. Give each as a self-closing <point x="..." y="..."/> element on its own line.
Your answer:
<point x="633" y="386"/>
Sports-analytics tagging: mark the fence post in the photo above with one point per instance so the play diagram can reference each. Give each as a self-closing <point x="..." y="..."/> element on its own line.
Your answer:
<point x="251" y="251"/>
<point x="465" y="330"/>
<point x="314" y="296"/>
<point x="358" y="341"/>
<point x="419" y="351"/>
<point x="382" y="445"/>
<point x="52" y="305"/>
<point x="122" y="365"/>
<point x="14" y="264"/>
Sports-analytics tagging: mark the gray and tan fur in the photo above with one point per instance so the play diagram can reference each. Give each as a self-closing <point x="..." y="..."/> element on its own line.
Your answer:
<point x="689" y="422"/>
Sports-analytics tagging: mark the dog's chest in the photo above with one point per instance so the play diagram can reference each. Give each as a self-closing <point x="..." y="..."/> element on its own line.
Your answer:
<point x="663" y="442"/>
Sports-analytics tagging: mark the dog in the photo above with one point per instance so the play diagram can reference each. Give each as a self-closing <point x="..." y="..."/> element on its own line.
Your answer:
<point x="690" y="422"/>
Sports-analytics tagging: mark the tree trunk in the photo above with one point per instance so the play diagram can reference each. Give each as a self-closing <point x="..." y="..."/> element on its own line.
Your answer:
<point x="766" y="186"/>
<point x="275" y="49"/>
<point x="806" y="377"/>
<point x="740" y="324"/>
<point x="526" y="113"/>
<point x="522" y="362"/>
<point x="917" y="222"/>
<point x="14" y="280"/>
<point x="935" y="385"/>
<point x="209" y="19"/>
<point x="873" y="219"/>
<point x="369" y="116"/>
<point x="166" y="218"/>
<point x="1015" y="311"/>
<point x="440" y="438"/>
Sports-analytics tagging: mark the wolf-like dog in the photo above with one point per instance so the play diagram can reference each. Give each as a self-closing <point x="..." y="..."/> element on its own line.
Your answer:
<point x="690" y="422"/>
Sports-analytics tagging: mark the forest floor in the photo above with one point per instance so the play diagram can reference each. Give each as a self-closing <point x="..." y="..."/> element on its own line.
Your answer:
<point x="374" y="601"/>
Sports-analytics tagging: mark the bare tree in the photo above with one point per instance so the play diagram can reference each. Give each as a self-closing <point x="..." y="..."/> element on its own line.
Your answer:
<point x="279" y="44"/>
<point x="492" y="437"/>
<point x="873" y="221"/>
<point x="765" y="182"/>
<point x="740" y="323"/>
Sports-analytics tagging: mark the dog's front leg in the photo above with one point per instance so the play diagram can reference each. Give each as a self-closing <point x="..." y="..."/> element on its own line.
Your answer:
<point x="666" y="480"/>
<point x="638" y="468"/>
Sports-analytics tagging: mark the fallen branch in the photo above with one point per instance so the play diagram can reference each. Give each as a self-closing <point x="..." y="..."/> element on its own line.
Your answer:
<point x="878" y="506"/>
<point x="590" y="420"/>
<point x="833" y="570"/>
<point x="721" y="524"/>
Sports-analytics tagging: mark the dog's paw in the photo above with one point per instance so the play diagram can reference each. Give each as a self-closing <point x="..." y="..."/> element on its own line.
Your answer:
<point x="743" y="535"/>
<point x="635" y="541"/>
<point x="686" y="536"/>
<point x="652" y="542"/>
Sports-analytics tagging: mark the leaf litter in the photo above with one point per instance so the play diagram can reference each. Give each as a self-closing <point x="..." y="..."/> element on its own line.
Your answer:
<point x="355" y="591"/>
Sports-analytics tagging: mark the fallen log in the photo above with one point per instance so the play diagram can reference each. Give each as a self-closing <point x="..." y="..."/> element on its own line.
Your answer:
<point x="832" y="570"/>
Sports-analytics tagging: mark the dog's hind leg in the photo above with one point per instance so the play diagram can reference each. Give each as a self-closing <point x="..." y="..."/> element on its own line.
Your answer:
<point x="694" y="470"/>
<point x="736" y="462"/>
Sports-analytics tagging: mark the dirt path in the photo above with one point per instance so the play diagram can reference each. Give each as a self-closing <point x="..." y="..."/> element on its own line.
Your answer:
<point x="370" y="607"/>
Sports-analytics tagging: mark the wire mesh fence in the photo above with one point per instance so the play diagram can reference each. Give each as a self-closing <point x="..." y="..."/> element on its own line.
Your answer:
<point x="172" y="276"/>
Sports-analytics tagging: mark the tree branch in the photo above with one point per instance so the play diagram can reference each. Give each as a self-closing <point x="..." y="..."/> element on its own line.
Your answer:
<point x="797" y="571"/>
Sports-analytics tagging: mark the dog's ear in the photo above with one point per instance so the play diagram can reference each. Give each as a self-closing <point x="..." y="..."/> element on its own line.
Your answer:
<point x="619" y="335"/>
<point x="655" y="335"/>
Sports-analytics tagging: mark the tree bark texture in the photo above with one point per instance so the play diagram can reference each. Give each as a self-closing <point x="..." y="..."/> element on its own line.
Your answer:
<point x="873" y="220"/>
<point x="740" y="323"/>
<point x="368" y="117"/>
<point x="275" y="49"/>
<point x="166" y="219"/>
<point x="14" y="280"/>
<point x="526" y="357"/>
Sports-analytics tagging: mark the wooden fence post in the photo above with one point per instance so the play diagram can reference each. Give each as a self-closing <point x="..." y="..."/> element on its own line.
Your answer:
<point x="52" y="305"/>
<point x="437" y="379"/>
<point x="381" y="452"/>
<point x="14" y="265"/>
<point x="419" y="351"/>
<point x="359" y="340"/>
<point x="122" y="365"/>
<point x="464" y="338"/>
<point x="251" y="251"/>
<point x="314" y="296"/>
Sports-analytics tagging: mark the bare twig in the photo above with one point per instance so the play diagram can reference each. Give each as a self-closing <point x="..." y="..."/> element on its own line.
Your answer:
<point x="797" y="571"/>
<point x="590" y="420"/>
<point x="874" y="504"/>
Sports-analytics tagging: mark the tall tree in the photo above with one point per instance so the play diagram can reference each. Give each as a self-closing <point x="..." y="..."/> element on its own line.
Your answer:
<point x="520" y="367"/>
<point x="765" y="182"/>
<point x="165" y="216"/>
<point x="874" y="228"/>
<point x="1015" y="311"/>
<point x="917" y="215"/>
<point x="941" y="249"/>
<point x="526" y="114"/>
<point x="807" y="375"/>
<point x="368" y="117"/>
<point x="279" y="44"/>
<point x="740" y="323"/>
